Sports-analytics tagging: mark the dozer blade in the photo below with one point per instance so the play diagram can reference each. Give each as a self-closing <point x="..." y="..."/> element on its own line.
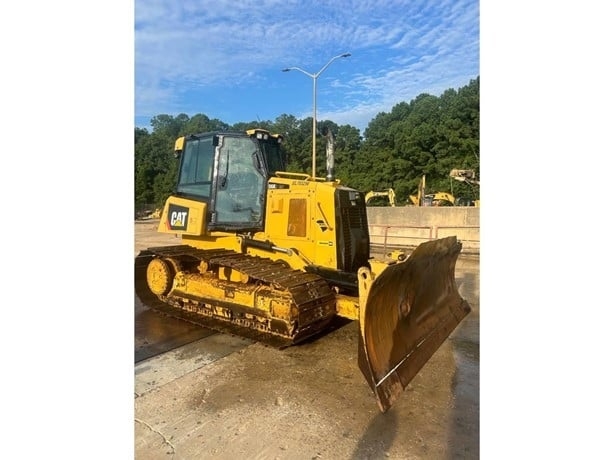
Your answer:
<point x="411" y="308"/>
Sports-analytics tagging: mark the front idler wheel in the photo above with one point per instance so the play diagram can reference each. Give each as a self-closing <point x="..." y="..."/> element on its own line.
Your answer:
<point x="160" y="276"/>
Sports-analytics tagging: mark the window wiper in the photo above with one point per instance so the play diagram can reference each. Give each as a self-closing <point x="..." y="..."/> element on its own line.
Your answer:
<point x="257" y="163"/>
<point x="224" y="179"/>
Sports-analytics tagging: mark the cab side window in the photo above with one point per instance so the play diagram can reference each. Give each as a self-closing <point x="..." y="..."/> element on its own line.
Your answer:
<point x="197" y="168"/>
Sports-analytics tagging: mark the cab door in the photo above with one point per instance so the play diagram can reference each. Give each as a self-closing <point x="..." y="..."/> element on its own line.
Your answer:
<point x="239" y="187"/>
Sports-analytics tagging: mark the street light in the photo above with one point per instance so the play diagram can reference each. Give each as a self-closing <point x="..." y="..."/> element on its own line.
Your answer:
<point x="315" y="76"/>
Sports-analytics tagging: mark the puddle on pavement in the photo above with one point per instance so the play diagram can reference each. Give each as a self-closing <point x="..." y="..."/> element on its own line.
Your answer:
<point x="155" y="333"/>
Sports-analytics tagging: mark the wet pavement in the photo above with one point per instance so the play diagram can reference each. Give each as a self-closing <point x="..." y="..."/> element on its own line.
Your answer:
<point x="155" y="334"/>
<point x="200" y="394"/>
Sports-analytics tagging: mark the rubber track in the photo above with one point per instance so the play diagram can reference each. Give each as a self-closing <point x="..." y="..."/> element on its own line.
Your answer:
<point x="309" y="290"/>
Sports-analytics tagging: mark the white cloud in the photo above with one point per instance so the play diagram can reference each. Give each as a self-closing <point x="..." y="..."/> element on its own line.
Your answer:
<point x="399" y="50"/>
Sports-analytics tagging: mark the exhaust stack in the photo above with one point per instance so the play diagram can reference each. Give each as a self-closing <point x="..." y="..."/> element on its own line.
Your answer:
<point x="330" y="154"/>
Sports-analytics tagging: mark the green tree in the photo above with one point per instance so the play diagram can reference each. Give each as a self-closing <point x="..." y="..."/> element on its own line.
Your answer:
<point x="200" y="123"/>
<point x="428" y="135"/>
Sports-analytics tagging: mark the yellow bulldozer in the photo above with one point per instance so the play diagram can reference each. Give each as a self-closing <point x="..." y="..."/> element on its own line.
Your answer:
<point x="388" y="194"/>
<point x="444" y="198"/>
<point x="279" y="257"/>
<point x="434" y="199"/>
<point x="469" y="177"/>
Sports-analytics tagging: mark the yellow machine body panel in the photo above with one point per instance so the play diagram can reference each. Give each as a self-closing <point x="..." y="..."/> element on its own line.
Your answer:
<point x="183" y="217"/>
<point x="301" y="216"/>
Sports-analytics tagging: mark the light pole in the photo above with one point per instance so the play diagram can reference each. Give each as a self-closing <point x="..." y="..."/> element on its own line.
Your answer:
<point x="315" y="76"/>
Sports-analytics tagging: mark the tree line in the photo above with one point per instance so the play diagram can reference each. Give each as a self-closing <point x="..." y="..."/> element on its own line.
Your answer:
<point x="430" y="136"/>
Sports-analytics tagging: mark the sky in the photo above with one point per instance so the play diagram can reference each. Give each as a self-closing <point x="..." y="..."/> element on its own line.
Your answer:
<point x="225" y="58"/>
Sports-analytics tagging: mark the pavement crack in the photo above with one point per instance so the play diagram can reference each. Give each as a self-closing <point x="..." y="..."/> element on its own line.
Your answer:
<point x="156" y="431"/>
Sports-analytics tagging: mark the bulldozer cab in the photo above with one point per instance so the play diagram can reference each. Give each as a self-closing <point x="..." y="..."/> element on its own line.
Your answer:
<point x="229" y="172"/>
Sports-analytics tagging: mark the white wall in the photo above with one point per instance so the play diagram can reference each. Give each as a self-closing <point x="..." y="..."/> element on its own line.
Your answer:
<point x="412" y="225"/>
